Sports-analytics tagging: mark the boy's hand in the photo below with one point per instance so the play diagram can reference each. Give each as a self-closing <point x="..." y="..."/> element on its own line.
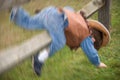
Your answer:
<point x="102" y="65"/>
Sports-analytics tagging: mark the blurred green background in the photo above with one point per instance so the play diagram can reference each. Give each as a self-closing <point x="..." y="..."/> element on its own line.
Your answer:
<point x="66" y="64"/>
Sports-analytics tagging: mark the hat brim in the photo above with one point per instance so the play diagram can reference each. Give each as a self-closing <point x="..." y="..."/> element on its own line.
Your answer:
<point x="100" y="27"/>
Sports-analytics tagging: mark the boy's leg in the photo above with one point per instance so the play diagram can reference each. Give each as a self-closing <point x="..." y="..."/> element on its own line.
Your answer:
<point x="21" y="17"/>
<point x="39" y="59"/>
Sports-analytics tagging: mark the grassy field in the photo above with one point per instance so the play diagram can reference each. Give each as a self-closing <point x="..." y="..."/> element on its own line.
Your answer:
<point x="66" y="64"/>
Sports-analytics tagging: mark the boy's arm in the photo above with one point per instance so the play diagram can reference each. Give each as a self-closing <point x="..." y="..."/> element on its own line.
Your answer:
<point x="23" y="19"/>
<point x="92" y="54"/>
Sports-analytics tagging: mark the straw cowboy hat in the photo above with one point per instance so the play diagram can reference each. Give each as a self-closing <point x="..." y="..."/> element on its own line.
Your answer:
<point x="100" y="33"/>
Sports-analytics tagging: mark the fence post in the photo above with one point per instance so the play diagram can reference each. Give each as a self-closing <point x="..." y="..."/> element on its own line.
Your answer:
<point x="104" y="14"/>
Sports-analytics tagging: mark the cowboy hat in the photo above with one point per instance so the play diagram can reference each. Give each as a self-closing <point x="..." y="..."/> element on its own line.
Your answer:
<point x="100" y="33"/>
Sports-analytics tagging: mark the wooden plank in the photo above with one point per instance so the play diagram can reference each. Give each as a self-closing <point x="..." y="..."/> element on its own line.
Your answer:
<point x="104" y="14"/>
<point x="7" y="4"/>
<point x="14" y="55"/>
<point x="91" y="7"/>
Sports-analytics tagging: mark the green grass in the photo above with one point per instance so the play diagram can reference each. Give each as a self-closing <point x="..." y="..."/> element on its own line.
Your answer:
<point x="66" y="64"/>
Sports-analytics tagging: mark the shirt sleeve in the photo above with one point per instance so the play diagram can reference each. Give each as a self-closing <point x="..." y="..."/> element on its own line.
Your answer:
<point x="21" y="18"/>
<point x="88" y="48"/>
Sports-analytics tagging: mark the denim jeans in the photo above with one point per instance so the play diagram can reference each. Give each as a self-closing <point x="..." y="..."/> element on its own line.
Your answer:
<point x="49" y="19"/>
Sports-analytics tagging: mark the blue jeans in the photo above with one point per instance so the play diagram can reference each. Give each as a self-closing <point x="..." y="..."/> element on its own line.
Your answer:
<point x="49" y="19"/>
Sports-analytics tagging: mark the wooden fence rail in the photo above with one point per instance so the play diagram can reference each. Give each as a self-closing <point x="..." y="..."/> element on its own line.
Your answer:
<point x="14" y="55"/>
<point x="7" y="4"/>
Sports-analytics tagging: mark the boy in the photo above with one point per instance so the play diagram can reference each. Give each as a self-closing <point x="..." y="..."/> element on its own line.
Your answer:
<point x="65" y="26"/>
